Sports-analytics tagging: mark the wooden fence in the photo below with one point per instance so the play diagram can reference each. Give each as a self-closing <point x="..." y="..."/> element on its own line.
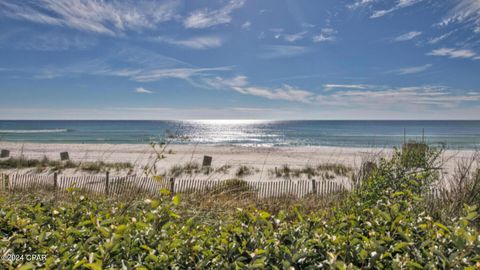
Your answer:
<point x="147" y="185"/>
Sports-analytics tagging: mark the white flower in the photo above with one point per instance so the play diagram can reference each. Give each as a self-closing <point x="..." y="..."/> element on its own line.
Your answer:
<point x="82" y="198"/>
<point x="373" y="254"/>
<point x="134" y="219"/>
<point x="55" y="212"/>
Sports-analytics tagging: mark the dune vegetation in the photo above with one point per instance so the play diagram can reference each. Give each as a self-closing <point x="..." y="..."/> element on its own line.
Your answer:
<point x="43" y="164"/>
<point x="391" y="220"/>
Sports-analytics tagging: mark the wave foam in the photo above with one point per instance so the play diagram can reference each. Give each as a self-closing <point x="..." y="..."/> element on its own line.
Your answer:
<point x="26" y="131"/>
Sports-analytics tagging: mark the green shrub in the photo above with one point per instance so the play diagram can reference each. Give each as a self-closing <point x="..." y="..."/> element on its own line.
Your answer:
<point x="384" y="224"/>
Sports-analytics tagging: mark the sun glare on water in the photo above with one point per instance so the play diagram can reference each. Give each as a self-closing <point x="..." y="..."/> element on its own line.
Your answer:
<point x="228" y="121"/>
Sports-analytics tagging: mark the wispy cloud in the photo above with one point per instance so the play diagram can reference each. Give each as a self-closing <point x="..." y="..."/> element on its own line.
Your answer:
<point x="412" y="70"/>
<point x="110" y="18"/>
<point x="47" y="41"/>
<point x="293" y="37"/>
<point x="357" y="95"/>
<point x="328" y="87"/>
<point x="133" y="64"/>
<point x="437" y="39"/>
<point x="401" y="97"/>
<point x="199" y="43"/>
<point x="281" y="51"/>
<point x="361" y="3"/>
<point x="206" y="18"/>
<point x="408" y="36"/>
<point x="241" y="85"/>
<point x="169" y="73"/>
<point x="399" y="5"/>
<point x="326" y="34"/>
<point x="246" y="25"/>
<point x="465" y="11"/>
<point x="142" y="90"/>
<point x="454" y="53"/>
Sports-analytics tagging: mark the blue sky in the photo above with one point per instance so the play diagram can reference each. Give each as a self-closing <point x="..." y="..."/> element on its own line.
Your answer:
<point x="272" y="59"/>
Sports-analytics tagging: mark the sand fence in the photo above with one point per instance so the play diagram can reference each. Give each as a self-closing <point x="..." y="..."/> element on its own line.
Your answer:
<point x="151" y="185"/>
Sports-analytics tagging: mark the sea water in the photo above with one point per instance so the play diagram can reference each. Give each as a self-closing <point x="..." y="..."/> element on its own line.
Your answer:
<point x="452" y="134"/>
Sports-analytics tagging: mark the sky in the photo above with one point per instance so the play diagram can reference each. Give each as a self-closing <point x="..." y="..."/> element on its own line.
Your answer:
<point x="239" y="59"/>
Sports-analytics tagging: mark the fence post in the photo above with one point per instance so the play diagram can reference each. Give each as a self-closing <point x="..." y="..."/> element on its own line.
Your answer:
<point x="55" y="177"/>
<point x="7" y="181"/>
<point x="314" y="186"/>
<point x="106" y="182"/>
<point x="172" y="185"/>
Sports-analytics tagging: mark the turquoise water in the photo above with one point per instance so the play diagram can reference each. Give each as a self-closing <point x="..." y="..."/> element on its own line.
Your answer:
<point x="454" y="134"/>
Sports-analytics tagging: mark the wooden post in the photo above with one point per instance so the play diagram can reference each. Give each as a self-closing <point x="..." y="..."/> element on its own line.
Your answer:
<point x="172" y="185"/>
<point x="7" y="178"/>
<point x="106" y="182"/>
<point x="314" y="186"/>
<point x="55" y="184"/>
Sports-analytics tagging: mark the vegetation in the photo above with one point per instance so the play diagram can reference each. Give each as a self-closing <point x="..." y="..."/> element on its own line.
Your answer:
<point x="324" y="171"/>
<point x="388" y="222"/>
<point x="245" y="170"/>
<point x="55" y="165"/>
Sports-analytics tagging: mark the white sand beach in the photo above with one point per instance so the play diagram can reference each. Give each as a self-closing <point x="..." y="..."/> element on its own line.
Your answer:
<point x="261" y="161"/>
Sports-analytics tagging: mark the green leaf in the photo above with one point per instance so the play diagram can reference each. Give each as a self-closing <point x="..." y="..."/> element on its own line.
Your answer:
<point x="164" y="192"/>
<point x="401" y="245"/>
<point x="441" y="226"/>
<point x="264" y="214"/>
<point x="176" y="200"/>
<point x="94" y="266"/>
<point x="27" y="266"/>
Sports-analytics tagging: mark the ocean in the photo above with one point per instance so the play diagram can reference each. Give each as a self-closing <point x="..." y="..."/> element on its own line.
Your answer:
<point x="452" y="134"/>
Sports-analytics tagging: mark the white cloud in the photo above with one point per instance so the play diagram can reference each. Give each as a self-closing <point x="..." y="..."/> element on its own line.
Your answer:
<point x="326" y="34"/>
<point x="408" y="36"/>
<point x="246" y="25"/>
<point x="241" y="85"/>
<point x="437" y="39"/>
<point x="132" y="63"/>
<point x="361" y="3"/>
<point x="286" y="92"/>
<point x="280" y="51"/>
<point x="199" y="43"/>
<point x="412" y="70"/>
<point x="357" y="95"/>
<point x="294" y="37"/>
<point x="329" y="87"/>
<point x="110" y="18"/>
<point x="142" y="90"/>
<point x="206" y="18"/>
<point x="400" y="97"/>
<point x="465" y="11"/>
<point x="236" y="82"/>
<point x="454" y="53"/>
<point x="169" y="73"/>
<point x="399" y="5"/>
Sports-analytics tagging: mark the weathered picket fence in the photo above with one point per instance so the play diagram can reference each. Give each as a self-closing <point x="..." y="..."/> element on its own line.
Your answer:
<point x="148" y="185"/>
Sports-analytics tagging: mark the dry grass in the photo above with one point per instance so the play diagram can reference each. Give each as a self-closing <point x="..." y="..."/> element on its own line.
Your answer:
<point x="325" y="171"/>
<point x="235" y="194"/>
<point x="43" y="164"/>
<point x="464" y="189"/>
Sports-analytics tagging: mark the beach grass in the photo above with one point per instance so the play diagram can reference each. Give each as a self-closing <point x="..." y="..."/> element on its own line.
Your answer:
<point x="43" y="164"/>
